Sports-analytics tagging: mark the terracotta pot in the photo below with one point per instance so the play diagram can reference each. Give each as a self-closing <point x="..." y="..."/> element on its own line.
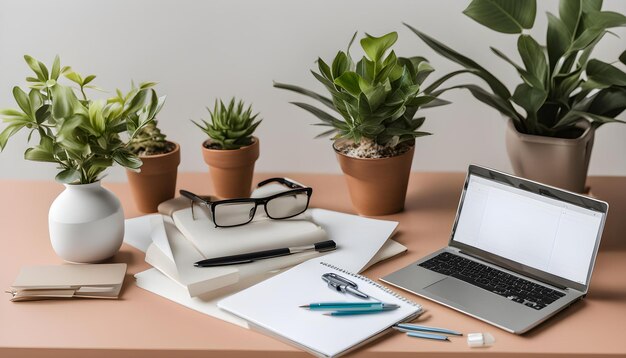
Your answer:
<point x="231" y="169"/>
<point x="156" y="181"/>
<point x="559" y="162"/>
<point x="377" y="186"/>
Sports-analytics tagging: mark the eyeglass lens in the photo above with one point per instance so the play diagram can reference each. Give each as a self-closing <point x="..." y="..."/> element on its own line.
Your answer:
<point x="231" y="214"/>
<point x="200" y="211"/>
<point x="287" y="205"/>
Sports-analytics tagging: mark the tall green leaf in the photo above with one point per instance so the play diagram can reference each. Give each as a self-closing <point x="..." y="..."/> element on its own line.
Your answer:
<point x="506" y="16"/>
<point x="558" y="40"/>
<point x="496" y="86"/>
<point x="533" y="56"/>
<point x="570" y="12"/>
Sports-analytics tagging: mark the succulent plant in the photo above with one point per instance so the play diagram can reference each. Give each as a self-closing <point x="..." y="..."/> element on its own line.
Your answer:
<point x="560" y="83"/>
<point x="232" y="126"/>
<point x="150" y="141"/>
<point x="376" y="98"/>
<point x="82" y="136"/>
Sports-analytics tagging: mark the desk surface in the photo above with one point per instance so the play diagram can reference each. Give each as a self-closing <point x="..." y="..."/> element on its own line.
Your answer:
<point x="143" y="324"/>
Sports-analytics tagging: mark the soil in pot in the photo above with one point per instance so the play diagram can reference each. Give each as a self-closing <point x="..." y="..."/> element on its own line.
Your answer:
<point x="377" y="183"/>
<point x="231" y="170"/>
<point x="156" y="180"/>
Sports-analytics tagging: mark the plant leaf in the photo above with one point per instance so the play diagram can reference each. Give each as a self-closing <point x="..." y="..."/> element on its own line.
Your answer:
<point x="506" y="16"/>
<point x="349" y="81"/>
<point x="62" y="102"/>
<point x="605" y="74"/>
<point x="9" y="131"/>
<point x="558" y="40"/>
<point x="604" y="19"/>
<point x="533" y="57"/>
<point x="323" y="116"/>
<point x="496" y="86"/>
<point x="375" y="47"/>
<point x="570" y="12"/>
<point x="22" y="100"/>
<point x="56" y="68"/>
<point x="127" y="159"/>
<point x="68" y="176"/>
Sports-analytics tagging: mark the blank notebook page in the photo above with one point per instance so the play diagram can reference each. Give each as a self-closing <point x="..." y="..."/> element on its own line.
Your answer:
<point x="273" y="305"/>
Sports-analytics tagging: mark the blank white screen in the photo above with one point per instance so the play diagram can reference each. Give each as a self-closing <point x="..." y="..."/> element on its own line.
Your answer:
<point x="533" y="230"/>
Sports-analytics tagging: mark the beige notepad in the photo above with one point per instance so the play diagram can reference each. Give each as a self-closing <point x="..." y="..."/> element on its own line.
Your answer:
<point x="66" y="281"/>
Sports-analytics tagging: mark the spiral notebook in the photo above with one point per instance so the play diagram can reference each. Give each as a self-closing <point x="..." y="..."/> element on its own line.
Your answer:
<point x="272" y="307"/>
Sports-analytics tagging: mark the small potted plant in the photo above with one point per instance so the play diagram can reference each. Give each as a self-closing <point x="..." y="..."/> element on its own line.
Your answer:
<point x="83" y="137"/>
<point x="231" y="150"/>
<point x="155" y="181"/>
<point x="565" y="96"/>
<point x="374" y="127"/>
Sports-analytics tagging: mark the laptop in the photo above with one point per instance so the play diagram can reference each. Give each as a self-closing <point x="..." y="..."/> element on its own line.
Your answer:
<point x="519" y="252"/>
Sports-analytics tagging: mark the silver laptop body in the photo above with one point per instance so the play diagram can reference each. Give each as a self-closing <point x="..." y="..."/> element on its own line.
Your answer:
<point x="544" y="240"/>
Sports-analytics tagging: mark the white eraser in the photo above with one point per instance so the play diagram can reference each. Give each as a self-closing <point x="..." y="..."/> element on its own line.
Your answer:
<point x="480" y="340"/>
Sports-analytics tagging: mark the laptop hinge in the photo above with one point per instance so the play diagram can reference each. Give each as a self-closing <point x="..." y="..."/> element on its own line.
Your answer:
<point x="524" y="274"/>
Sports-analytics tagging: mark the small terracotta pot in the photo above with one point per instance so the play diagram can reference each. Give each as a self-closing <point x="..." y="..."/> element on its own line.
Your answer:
<point x="377" y="186"/>
<point x="156" y="181"/>
<point x="231" y="169"/>
<point x="559" y="162"/>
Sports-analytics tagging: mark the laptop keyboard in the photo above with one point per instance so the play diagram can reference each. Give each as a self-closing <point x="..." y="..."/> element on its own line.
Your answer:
<point x="493" y="280"/>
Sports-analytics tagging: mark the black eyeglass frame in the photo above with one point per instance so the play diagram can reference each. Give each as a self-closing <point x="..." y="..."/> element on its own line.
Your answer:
<point x="296" y="188"/>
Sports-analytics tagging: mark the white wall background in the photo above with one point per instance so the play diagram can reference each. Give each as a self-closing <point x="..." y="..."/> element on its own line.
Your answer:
<point x="200" y="50"/>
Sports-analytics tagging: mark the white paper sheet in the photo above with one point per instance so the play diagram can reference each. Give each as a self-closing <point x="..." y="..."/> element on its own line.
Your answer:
<point x="137" y="231"/>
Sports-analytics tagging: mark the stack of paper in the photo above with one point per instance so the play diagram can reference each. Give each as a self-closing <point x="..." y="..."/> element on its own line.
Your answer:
<point x="174" y="255"/>
<point x="361" y="243"/>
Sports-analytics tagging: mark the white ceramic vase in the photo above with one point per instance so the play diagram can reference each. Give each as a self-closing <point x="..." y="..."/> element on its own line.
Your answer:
<point x="86" y="223"/>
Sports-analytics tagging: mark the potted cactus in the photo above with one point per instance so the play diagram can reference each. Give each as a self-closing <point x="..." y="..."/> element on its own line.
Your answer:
<point x="563" y="97"/>
<point x="231" y="150"/>
<point x="83" y="137"/>
<point x="374" y="127"/>
<point x="155" y="181"/>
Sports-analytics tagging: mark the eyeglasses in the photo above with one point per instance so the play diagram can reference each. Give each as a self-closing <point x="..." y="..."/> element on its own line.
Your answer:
<point x="240" y="211"/>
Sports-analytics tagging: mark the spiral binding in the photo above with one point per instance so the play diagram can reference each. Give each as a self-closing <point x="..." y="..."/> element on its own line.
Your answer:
<point x="375" y="284"/>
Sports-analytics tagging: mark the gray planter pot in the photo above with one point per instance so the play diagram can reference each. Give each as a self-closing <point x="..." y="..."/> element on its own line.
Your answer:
<point x="559" y="162"/>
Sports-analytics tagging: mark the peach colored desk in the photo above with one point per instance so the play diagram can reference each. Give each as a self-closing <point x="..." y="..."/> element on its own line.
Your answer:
<point x="141" y="324"/>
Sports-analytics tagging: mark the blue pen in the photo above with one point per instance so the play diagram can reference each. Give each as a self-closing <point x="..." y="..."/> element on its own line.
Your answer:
<point x="436" y="337"/>
<point x="345" y="306"/>
<point x="354" y="312"/>
<point x="406" y="327"/>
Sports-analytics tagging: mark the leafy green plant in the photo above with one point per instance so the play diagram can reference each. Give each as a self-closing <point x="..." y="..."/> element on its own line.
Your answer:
<point x="232" y="126"/>
<point x="376" y="97"/>
<point x="150" y="141"/>
<point x="81" y="135"/>
<point x="561" y="84"/>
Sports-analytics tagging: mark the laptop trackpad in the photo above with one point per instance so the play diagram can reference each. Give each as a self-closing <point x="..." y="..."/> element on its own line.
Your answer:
<point x="472" y="299"/>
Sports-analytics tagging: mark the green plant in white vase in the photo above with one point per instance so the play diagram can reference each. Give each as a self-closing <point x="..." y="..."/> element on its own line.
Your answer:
<point x="373" y="121"/>
<point x="83" y="137"/>
<point x="564" y="96"/>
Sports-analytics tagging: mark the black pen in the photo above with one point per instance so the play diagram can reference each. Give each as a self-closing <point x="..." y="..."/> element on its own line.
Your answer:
<point x="260" y="255"/>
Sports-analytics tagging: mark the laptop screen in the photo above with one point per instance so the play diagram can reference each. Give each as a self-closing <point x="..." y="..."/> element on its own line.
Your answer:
<point x="534" y="230"/>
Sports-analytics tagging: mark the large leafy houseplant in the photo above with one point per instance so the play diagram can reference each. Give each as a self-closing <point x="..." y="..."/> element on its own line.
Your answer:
<point x="374" y="103"/>
<point x="560" y="82"/>
<point x="374" y="100"/>
<point x="564" y="95"/>
<point x="82" y="136"/>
